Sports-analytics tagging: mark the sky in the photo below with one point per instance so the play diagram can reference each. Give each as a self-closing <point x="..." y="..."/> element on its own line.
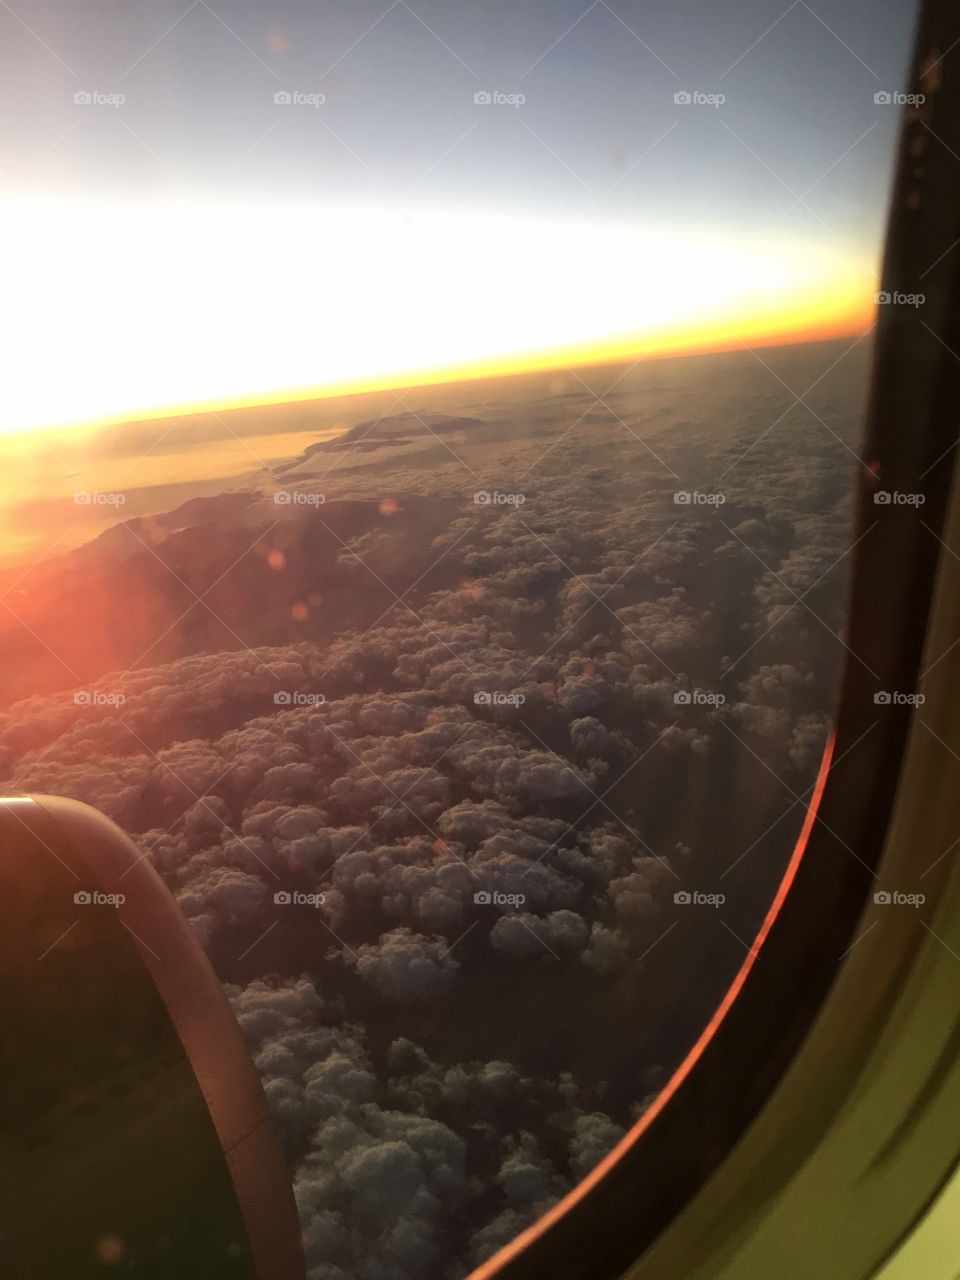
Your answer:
<point x="242" y="201"/>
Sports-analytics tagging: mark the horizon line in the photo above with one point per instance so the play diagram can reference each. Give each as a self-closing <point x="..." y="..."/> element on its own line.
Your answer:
<point x="716" y="339"/>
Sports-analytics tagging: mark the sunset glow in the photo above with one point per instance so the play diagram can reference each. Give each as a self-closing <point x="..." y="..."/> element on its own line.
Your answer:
<point x="121" y="310"/>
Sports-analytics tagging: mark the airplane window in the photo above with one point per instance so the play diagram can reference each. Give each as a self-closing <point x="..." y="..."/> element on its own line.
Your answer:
<point x="429" y="434"/>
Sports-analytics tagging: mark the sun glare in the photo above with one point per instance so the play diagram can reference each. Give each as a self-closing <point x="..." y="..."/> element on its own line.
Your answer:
<point x="122" y="310"/>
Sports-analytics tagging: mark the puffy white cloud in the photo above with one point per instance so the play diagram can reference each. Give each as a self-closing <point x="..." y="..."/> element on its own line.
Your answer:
<point x="404" y="966"/>
<point x="525" y="935"/>
<point x="225" y="894"/>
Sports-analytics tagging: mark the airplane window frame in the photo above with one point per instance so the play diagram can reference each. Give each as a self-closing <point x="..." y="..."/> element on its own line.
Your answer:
<point x="727" y="1077"/>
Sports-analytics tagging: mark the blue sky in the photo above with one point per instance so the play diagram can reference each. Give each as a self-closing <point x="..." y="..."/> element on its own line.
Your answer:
<point x="399" y="122"/>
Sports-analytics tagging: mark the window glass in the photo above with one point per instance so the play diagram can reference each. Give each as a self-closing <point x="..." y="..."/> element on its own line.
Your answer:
<point x="428" y="440"/>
